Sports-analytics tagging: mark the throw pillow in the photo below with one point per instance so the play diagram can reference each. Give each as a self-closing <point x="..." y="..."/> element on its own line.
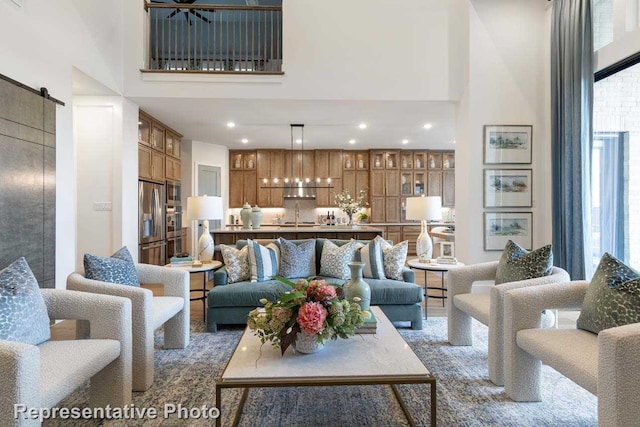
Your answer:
<point x="335" y="260"/>
<point x="297" y="261"/>
<point x="263" y="260"/>
<point x="371" y="255"/>
<point x="23" y="313"/>
<point x="236" y="261"/>
<point x="118" y="268"/>
<point x="517" y="263"/>
<point x="612" y="298"/>
<point x="393" y="258"/>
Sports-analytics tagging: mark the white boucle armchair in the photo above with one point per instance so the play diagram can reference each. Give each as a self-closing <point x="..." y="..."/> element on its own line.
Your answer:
<point x="487" y="308"/>
<point x="606" y="364"/>
<point x="41" y="376"/>
<point x="149" y="313"/>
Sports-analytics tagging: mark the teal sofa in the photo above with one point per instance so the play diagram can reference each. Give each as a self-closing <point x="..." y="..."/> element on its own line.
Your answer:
<point x="231" y="303"/>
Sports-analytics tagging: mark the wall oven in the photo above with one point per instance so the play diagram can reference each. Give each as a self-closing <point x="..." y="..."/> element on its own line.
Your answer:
<point x="173" y="221"/>
<point x="173" y="193"/>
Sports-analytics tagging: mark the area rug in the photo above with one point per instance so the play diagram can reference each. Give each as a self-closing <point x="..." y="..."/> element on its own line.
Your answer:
<point x="465" y="395"/>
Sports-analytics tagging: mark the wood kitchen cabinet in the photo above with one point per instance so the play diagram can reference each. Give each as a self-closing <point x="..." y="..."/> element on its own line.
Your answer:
<point x="384" y="184"/>
<point x="150" y="164"/>
<point x="144" y="129"/>
<point x="242" y="178"/>
<point x="157" y="136"/>
<point x="270" y="166"/>
<point x="328" y="164"/>
<point x="173" y="144"/>
<point x="441" y="176"/>
<point x="172" y="168"/>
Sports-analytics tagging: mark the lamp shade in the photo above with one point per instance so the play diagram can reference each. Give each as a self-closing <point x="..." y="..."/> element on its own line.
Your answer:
<point x="204" y="207"/>
<point x="424" y="208"/>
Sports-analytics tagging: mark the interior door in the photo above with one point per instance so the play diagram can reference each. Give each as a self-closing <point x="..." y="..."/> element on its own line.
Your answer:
<point x="208" y="183"/>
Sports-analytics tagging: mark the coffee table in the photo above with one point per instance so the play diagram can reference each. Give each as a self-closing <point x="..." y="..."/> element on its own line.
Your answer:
<point x="368" y="359"/>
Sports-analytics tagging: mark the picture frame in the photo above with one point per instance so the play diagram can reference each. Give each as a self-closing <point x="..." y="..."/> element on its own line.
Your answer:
<point x="507" y="144"/>
<point x="508" y="188"/>
<point x="500" y="227"/>
<point x="447" y="250"/>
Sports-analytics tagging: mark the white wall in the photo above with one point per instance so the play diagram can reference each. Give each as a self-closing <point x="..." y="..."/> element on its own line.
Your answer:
<point x="106" y="141"/>
<point x="508" y="84"/>
<point x="40" y="43"/>
<point x="196" y="153"/>
<point x="396" y="51"/>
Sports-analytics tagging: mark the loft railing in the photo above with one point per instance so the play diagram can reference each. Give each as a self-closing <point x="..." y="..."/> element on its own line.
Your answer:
<point x="214" y="39"/>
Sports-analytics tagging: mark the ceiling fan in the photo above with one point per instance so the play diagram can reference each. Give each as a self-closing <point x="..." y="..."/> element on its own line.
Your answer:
<point x="186" y="12"/>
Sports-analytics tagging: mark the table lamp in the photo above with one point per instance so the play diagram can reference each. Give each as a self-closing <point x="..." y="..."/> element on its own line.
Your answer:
<point x="204" y="208"/>
<point x="424" y="209"/>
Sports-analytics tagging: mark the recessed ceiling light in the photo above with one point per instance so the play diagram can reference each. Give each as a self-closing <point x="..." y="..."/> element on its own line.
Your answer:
<point x="405" y="141"/>
<point x="362" y="125"/>
<point x="298" y="141"/>
<point x="245" y="140"/>
<point x="231" y="125"/>
<point x="427" y="126"/>
<point x="352" y="141"/>
<point x="139" y="123"/>
<point x="453" y="142"/>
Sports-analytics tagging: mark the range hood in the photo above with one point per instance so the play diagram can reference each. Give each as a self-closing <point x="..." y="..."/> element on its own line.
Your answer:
<point x="300" y="191"/>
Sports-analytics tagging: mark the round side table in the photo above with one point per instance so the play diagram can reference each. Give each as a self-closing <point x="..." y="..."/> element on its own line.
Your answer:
<point x="433" y="266"/>
<point x="210" y="266"/>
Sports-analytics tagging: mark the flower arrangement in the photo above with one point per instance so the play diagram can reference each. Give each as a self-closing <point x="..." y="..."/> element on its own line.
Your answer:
<point x="350" y="204"/>
<point x="312" y="307"/>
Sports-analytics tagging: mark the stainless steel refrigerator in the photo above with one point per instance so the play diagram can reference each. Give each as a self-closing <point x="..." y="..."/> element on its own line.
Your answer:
<point x="151" y="223"/>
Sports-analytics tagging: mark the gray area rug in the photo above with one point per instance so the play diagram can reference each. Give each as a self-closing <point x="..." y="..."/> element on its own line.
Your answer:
<point x="465" y="395"/>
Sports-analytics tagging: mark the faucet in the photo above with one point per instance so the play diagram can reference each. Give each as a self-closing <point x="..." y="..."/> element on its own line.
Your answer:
<point x="296" y="214"/>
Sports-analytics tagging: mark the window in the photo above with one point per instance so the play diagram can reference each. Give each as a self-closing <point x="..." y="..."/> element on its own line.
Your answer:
<point x="615" y="204"/>
<point x="602" y="17"/>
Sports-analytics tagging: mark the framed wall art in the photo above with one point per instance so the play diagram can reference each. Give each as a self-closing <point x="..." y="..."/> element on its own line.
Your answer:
<point x="500" y="227"/>
<point x="504" y="144"/>
<point x="507" y="188"/>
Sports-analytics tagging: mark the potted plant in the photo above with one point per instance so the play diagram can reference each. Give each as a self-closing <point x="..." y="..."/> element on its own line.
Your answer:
<point x="362" y="217"/>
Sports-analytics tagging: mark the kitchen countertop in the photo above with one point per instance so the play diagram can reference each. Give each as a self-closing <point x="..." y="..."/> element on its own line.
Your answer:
<point x="302" y="228"/>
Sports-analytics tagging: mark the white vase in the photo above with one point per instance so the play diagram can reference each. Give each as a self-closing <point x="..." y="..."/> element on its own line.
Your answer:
<point x="306" y="343"/>
<point x="256" y="217"/>
<point x="356" y="287"/>
<point x="245" y="216"/>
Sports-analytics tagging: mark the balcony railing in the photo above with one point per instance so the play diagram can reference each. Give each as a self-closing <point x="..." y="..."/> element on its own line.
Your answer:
<point x="214" y="39"/>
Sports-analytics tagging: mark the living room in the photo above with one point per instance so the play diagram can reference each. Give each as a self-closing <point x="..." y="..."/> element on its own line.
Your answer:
<point x="485" y="62"/>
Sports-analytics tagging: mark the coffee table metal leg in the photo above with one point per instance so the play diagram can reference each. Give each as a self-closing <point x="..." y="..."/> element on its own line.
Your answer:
<point x="433" y="404"/>
<point x="407" y="414"/>
<point x="243" y="399"/>
<point x="219" y="405"/>
<point x="426" y="294"/>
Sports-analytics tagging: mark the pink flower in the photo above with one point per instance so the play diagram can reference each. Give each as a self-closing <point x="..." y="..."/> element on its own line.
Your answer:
<point x="311" y="317"/>
<point x="313" y="286"/>
<point x="325" y="293"/>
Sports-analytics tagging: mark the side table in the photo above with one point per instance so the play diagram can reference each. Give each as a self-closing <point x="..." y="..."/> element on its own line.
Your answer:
<point x="433" y="266"/>
<point x="210" y="266"/>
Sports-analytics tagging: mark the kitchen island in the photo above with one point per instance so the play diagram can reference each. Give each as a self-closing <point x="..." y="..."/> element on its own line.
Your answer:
<point x="230" y="235"/>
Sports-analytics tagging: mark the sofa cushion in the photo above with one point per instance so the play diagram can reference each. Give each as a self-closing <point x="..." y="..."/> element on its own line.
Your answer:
<point x="297" y="259"/>
<point x="394" y="258"/>
<point x="264" y="260"/>
<point x="371" y="255"/>
<point x="612" y="298"/>
<point x="236" y="262"/>
<point x="388" y="292"/>
<point x="335" y="259"/>
<point x="118" y="268"/>
<point x="517" y="263"/>
<point x="246" y="294"/>
<point x="23" y="313"/>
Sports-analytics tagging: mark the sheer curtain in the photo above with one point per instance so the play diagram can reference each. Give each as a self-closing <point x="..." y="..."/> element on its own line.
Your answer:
<point x="571" y="134"/>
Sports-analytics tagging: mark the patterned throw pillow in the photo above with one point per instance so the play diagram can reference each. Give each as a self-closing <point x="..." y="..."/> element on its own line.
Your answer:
<point x="335" y="260"/>
<point x="23" y="313"/>
<point x="371" y="255"/>
<point x="297" y="261"/>
<point x="613" y="297"/>
<point x="118" y="268"/>
<point x="517" y="263"/>
<point x="393" y="258"/>
<point x="236" y="261"/>
<point x="264" y="260"/>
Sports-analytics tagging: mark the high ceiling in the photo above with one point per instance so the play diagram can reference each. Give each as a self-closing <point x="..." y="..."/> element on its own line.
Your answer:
<point x="328" y="124"/>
